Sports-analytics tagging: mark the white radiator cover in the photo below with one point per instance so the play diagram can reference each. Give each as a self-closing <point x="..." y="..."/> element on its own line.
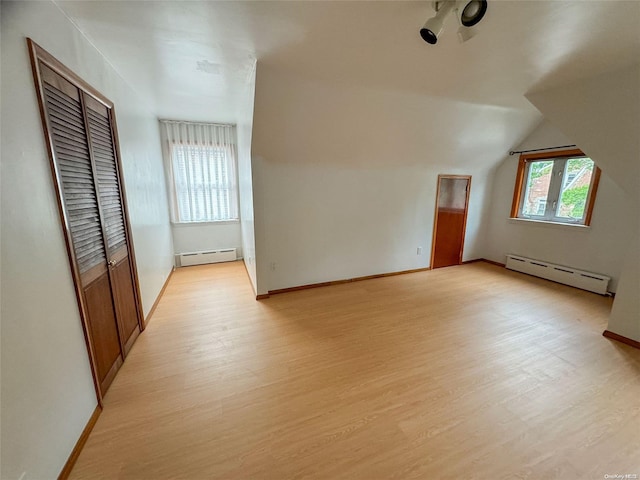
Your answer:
<point x="210" y="256"/>
<point x="593" y="282"/>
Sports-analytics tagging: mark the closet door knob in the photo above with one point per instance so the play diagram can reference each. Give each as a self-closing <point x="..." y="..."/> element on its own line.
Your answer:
<point x="112" y="263"/>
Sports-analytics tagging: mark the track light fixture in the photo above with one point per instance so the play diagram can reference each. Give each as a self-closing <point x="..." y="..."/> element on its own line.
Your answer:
<point x="468" y="12"/>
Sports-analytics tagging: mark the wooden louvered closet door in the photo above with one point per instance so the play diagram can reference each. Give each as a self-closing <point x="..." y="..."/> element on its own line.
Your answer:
<point x="76" y="182"/>
<point x="110" y="199"/>
<point x="81" y="135"/>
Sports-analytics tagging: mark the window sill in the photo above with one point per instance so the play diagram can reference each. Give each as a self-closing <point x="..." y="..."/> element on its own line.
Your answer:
<point x="545" y="224"/>
<point x="204" y="224"/>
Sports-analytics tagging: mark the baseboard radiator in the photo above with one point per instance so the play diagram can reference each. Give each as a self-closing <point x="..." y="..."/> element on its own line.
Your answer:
<point x="211" y="256"/>
<point x="593" y="282"/>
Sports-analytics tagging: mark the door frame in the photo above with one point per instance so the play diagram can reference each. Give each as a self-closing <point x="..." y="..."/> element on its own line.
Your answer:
<point x="435" y="215"/>
<point x="37" y="54"/>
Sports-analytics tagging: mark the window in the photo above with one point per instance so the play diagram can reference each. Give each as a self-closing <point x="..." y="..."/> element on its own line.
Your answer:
<point x="204" y="183"/>
<point x="556" y="187"/>
<point x="203" y="172"/>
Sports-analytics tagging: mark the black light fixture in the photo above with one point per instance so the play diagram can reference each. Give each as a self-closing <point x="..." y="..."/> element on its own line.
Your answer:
<point x="432" y="28"/>
<point x="468" y="12"/>
<point x="472" y="12"/>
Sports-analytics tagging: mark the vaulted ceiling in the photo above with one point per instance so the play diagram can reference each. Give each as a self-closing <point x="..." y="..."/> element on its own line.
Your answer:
<point x="193" y="60"/>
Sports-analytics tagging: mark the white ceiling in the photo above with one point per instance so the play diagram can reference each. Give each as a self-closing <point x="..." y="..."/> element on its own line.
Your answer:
<point x="162" y="48"/>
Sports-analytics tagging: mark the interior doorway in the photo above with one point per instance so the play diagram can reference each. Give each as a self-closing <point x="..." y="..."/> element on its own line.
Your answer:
<point x="452" y="203"/>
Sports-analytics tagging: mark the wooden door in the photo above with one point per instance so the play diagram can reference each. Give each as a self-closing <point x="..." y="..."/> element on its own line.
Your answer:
<point x="81" y="135"/>
<point x="74" y="174"/>
<point x="452" y="202"/>
<point x="113" y="219"/>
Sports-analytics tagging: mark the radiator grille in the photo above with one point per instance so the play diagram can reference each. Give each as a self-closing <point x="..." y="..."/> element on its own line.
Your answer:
<point x="592" y="282"/>
<point x="211" y="256"/>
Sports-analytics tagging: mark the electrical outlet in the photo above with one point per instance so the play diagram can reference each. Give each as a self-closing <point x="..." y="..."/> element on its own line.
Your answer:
<point x="419" y="251"/>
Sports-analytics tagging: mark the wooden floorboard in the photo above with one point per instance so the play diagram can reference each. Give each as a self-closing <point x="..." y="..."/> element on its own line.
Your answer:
<point x="462" y="372"/>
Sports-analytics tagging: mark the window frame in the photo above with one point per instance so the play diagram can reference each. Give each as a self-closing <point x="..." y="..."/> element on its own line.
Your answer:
<point x="520" y="187"/>
<point x="229" y="153"/>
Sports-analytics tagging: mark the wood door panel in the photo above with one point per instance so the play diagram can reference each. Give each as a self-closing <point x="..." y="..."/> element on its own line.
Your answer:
<point x="125" y="300"/>
<point x="113" y="219"/>
<point x="74" y="170"/>
<point x="448" y="238"/>
<point x="107" y="174"/>
<point x="103" y="328"/>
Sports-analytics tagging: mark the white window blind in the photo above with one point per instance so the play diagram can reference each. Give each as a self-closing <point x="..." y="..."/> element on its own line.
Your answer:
<point x="201" y="161"/>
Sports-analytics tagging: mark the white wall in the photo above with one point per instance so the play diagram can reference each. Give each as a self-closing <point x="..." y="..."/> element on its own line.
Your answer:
<point x="47" y="390"/>
<point x="602" y="115"/>
<point x="599" y="248"/>
<point x="328" y="222"/>
<point x="198" y="237"/>
<point x="245" y="180"/>
<point x="345" y="178"/>
<point x="625" y="314"/>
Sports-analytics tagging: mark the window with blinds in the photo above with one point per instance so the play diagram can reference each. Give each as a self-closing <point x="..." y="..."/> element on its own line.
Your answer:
<point x="203" y="172"/>
<point x="204" y="183"/>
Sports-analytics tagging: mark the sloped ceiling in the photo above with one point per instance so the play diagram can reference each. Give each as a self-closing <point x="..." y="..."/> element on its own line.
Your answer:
<point x="602" y="114"/>
<point x="193" y="60"/>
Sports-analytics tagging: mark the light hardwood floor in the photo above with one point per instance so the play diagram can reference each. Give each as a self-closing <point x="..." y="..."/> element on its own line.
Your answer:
<point x="462" y="372"/>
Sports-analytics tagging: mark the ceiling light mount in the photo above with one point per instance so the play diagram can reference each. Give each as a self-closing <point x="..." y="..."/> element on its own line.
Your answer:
<point x="468" y="12"/>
